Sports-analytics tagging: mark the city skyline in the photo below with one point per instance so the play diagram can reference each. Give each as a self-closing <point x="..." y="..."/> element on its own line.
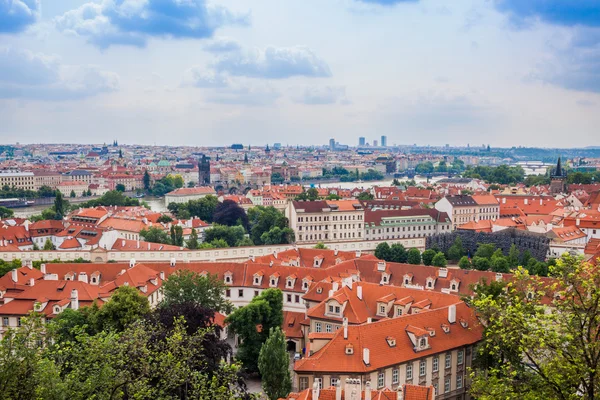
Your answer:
<point x="425" y="72"/>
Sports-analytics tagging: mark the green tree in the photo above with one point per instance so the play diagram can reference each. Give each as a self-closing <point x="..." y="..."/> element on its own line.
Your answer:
<point x="277" y="236"/>
<point x="273" y="364"/>
<point x="398" y="253"/>
<point x="264" y="219"/>
<point x="155" y="235"/>
<point x="383" y="251"/>
<point x="439" y="260"/>
<point x="499" y="263"/>
<point x="6" y="212"/>
<point x="176" y="232"/>
<point x="232" y="235"/>
<point x="48" y="245"/>
<point x="464" y="263"/>
<point x="365" y="196"/>
<point x="193" y="243"/>
<point x="320" y="246"/>
<point x="186" y="286"/>
<point x="59" y="206"/>
<point x="125" y="306"/>
<point x="120" y="187"/>
<point x="482" y="263"/>
<point x="146" y="180"/>
<point x="424" y="168"/>
<point x="485" y="250"/>
<point x="513" y="256"/>
<point x="533" y="352"/>
<point x="20" y="358"/>
<point x="164" y="218"/>
<point x="252" y="324"/>
<point x="456" y="251"/>
<point x="414" y="256"/>
<point x="428" y="256"/>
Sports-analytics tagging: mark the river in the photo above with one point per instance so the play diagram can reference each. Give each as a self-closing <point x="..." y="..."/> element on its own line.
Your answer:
<point x="158" y="203"/>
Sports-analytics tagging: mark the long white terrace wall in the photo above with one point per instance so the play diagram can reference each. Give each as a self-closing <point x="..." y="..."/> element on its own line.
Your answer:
<point x="186" y="255"/>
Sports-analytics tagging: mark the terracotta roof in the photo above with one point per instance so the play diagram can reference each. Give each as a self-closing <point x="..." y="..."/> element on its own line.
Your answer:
<point x="201" y="190"/>
<point x="333" y="358"/>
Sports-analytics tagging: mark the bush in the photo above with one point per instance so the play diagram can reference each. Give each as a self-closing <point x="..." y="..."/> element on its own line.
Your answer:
<point x="414" y="256"/>
<point x="464" y="263"/>
<point x="428" y="256"/>
<point x="439" y="260"/>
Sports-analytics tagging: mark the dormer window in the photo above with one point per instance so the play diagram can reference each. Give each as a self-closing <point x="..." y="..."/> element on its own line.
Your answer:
<point x="464" y="323"/>
<point x="381" y="309"/>
<point x="94" y="279"/>
<point x="256" y="280"/>
<point x="56" y="309"/>
<point x="453" y="287"/>
<point x="391" y="341"/>
<point x="319" y="290"/>
<point x="399" y="311"/>
<point x="273" y="282"/>
<point x="423" y="342"/>
<point x="446" y="328"/>
<point x="349" y="349"/>
<point x="305" y="285"/>
<point x="228" y="278"/>
<point x="289" y="283"/>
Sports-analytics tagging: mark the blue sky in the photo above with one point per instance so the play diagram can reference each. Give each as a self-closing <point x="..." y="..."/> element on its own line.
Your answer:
<point x="503" y="72"/>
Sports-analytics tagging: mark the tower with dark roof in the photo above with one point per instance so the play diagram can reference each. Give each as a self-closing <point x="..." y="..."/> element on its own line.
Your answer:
<point x="204" y="170"/>
<point x="558" y="179"/>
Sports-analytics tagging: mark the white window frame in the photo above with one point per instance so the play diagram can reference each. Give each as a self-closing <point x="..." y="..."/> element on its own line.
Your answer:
<point x="380" y="379"/>
<point x="422" y="368"/>
<point x="409" y="372"/>
<point x="447" y="386"/>
<point x="435" y="364"/>
<point x="459" y="381"/>
<point x="318" y="327"/>
<point x="395" y="375"/>
<point x="460" y="357"/>
<point x="448" y="361"/>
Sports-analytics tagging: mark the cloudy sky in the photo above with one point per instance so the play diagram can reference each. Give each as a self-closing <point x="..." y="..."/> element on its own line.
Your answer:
<point x="503" y="72"/>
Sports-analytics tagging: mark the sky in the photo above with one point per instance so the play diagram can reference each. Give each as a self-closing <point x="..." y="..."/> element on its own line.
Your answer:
<point x="192" y="72"/>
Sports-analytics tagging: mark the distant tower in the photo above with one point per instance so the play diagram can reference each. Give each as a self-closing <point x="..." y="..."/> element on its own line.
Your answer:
<point x="331" y="144"/>
<point x="361" y="141"/>
<point x="267" y="150"/>
<point x="246" y="158"/>
<point x="558" y="179"/>
<point x="383" y="141"/>
<point x="204" y="170"/>
<point x="375" y="143"/>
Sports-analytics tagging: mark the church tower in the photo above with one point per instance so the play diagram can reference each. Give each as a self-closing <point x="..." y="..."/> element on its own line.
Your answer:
<point x="204" y="171"/>
<point x="558" y="179"/>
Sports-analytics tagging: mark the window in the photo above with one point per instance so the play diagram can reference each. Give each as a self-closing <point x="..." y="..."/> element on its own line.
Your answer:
<point x="297" y="298"/>
<point x="319" y="382"/>
<point x="240" y="292"/>
<point x="409" y="372"/>
<point x="19" y="321"/>
<point x="303" y="383"/>
<point x="395" y="375"/>
<point x="255" y="293"/>
<point x="460" y="357"/>
<point x="328" y="328"/>
<point x="422" y="368"/>
<point x="459" y="381"/>
<point x="317" y="327"/>
<point x="228" y="293"/>
<point x="380" y="379"/>
<point x="448" y="360"/>
<point x="5" y="321"/>
<point x="447" y="384"/>
<point x="289" y="298"/>
<point x="435" y="388"/>
<point x="436" y="364"/>
<point x="423" y="342"/>
<point x="337" y="309"/>
<point x="334" y="382"/>
<point x="381" y="309"/>
<point x="398" y="311"/>
<point x="331" y="309"/>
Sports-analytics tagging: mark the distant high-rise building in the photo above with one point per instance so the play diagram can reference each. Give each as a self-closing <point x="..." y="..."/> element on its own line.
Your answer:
<point x="331" y="144"/>
<point x="277" y="146"/>
<point x="383" y="141"/>
<point x="204" y="170"/>
<point x="375" y="143"/>
<point x="361" y="141"/>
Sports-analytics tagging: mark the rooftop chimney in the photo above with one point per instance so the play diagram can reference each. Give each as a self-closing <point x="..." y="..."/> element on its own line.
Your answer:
<point x="132" y="263"/>
<point x="526" y="201"/>
<point x="443" y="272"/>
<point x="82" y="277"/>
<point x="330" y="293"/>
<point x="74" y="300"/>
<point x="345" y="325"/>
<point x="162" y="275"/>
<point x="14" y="276"/>
<point x="336" y="286"/>
<point x="338" y="390"/>
<point x="275" y="254"/>
<point x="173" y="262"/>
<point x="366" y="356"/>
<point x="315" y="390"/>
<point x="357" y="254"/>
<point x="359" y="292"/>
<point x="368" y="390"/>
<point x="452" y="313"/>
<point x="43" y="268"/>
<point x="335" y="252"/>
<point x="123" y="242"/>
<point x="31" y="282"/>
<point x="381" y="266"/>
<point x="399" y="393"/>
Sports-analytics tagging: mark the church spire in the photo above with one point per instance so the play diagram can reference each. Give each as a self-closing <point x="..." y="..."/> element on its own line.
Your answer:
<point x="558" y="171"/>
